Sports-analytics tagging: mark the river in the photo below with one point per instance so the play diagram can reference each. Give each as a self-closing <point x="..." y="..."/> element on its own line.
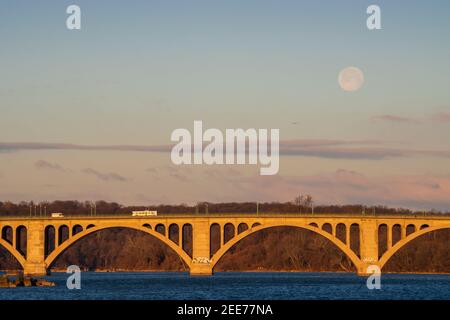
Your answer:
<point x="236" y="285"/>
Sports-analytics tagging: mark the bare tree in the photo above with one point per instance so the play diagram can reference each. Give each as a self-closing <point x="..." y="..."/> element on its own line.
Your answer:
<point x="304" y="201"/>
<point x="299" y="200"/>
<point x="308" y="201"/>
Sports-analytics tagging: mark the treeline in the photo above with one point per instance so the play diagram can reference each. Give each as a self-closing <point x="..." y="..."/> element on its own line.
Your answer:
<point x="113" y="208"/>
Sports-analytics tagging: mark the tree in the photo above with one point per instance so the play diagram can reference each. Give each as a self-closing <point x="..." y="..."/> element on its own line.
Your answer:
<point x="303" y="201"/>
<point x="299" y="201"/>
<point x="308" y="201"/>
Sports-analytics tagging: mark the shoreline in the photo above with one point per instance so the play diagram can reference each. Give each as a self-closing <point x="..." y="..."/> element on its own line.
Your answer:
<point x="12" y="272"/>
<point x="246" y="271"/>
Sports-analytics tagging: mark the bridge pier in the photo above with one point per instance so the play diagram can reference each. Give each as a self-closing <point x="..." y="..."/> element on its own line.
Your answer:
<point x="201" y="264"/>
<point x="199" y="269"/>
<point x="368" y="246"/>
<point x="35" y="269"/>
<point x="35" y="264"/>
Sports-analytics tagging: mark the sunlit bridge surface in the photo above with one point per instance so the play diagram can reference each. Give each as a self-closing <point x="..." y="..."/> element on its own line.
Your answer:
<point x="366" y="240"/>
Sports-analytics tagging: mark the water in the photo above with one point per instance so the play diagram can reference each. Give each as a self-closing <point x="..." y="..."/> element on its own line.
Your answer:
<point x="238" y="285"/>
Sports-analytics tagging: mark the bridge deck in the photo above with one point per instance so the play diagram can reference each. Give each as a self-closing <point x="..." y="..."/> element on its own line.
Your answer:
<point x="230" y="215"/>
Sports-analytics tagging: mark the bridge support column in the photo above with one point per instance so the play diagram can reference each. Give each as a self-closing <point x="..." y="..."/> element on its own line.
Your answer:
<point x="368" y="246"/>
<point x="403" y="231"/>
<point x="201" y="264"/>
<point x="35" y="264"/>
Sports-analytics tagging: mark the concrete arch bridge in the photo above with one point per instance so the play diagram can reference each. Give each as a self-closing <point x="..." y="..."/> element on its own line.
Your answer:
<point x="37" y="242"/>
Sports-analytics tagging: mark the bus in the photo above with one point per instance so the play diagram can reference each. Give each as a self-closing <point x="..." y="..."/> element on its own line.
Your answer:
<point x="145" y="213"/>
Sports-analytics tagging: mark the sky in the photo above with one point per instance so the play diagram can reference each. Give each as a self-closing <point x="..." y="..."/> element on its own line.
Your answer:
<point x="87" y="114"/>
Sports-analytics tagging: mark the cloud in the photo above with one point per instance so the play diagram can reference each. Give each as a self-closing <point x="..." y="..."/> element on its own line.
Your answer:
<point x="325" y="142"/>
<point x="104" y="176"/>
<point x="170" y="171"/>
<point x="442" y="117"/>
<point x="42" y="164"/>
<point x="66" y="146"/>
<point x="347" y="153"/>
<point x="330" y="149"/>
<point x="4" y="146"/>
<point x="395" y="119"/>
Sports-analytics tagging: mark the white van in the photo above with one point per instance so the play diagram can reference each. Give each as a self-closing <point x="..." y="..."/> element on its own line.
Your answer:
<point x="57" y="215"/>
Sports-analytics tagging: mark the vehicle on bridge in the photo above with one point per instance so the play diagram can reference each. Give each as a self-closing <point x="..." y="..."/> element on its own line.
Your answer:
<point x="144" y="213"/>
<point x="57" y="215"/>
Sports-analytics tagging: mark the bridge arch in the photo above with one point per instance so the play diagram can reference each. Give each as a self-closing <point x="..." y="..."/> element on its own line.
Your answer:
<point x="16" y="254"/>
<point x="63" y="234"/>
<point x="7" y="232"/>
<point x="224" y="249"/>
<point x="403" y="242"/>
<point x="161" y="229"/>
<point x="410" y="229"/>
<point x="187" y="238"/>
<point x="341" y="232"/>
<point x="49" y="239"/>
<point x="229" y="232"/>
<point x="327" y="227"/>
<point x="174" y="233"/>
<point x="76" y="229"/>
<point x="66" y="244"/>
<point x="242" y="227"/>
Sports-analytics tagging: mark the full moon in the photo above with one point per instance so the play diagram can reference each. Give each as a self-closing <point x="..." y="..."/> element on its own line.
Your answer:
<point x="351" y="79"/>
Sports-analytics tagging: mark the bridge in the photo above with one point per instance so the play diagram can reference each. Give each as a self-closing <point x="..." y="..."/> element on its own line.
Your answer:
<point x="36" y="242"/>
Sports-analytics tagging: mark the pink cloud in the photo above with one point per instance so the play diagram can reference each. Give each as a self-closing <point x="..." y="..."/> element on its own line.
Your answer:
<point x="442" y="117"/>
<point x="394" y="118"/>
